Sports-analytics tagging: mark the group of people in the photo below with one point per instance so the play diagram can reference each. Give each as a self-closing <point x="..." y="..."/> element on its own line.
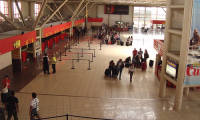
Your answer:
<point x="130" y="40"/>
<point x="11" y="103"/>
<point x="139" y="56"/>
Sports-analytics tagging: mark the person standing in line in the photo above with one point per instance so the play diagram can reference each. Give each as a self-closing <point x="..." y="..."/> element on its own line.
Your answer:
<point x="120" y="66"/>
<point x="131" y="70"/>
<point x="111" y="67"/>
<point x="46" y="63"/>
<point x="34" y="107"/>
<point x="53" y="63"/>
<point x="6" y="82"/>
<point x="12" y="106"/>
<point x="146" y="55"/>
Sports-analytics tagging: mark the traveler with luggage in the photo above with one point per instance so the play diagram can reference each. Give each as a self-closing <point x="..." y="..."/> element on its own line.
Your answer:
<point x="146" y="55"/>
<point x="34" y="107"/>
<point x="11" y="106"/>
<point x="111" y="67"/>
<point x="131" y="70"/>
<point x="127" y="61"/>
<point x="120" y="66"/>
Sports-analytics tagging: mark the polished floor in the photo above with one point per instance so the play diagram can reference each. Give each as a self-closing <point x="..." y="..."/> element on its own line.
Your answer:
<point x="89" y="93"/>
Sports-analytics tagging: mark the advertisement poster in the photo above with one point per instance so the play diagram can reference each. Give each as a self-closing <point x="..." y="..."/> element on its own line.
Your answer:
<point x="116" y="9"/>
<point x="192" y="75"/>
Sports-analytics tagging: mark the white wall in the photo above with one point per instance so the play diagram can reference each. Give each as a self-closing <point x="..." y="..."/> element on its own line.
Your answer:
<point x="32" y="10"/>
<point x="100" y="14"/>
<point x="5" y="60"/>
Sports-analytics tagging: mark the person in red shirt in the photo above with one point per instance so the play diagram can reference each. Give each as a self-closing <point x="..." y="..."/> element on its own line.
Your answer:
<point x="6" y="82"/>
<point x="134" y="52"/>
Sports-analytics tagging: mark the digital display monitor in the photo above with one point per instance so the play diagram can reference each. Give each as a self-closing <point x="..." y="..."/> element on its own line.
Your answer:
<point x="172" y="69"/>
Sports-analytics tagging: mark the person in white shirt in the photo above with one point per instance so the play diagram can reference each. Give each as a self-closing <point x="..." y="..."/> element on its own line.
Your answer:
<point x="34" y="107"/>
<point x="131" y="70"/>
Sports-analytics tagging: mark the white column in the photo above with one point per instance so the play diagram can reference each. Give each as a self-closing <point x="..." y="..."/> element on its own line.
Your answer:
<point x="166" y="49"/>
<point x="183" y="53"/>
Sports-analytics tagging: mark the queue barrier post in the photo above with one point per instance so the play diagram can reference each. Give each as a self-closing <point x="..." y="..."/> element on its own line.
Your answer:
<point x="94" y="53"/>
<point x="88" y="43"/>
<point x="60" y="56"/>
<point x="100" y="46"/>
<point x="72" y="64"/>
<point x="82" y="53"/>
<point x="92" y="57"/>
<point x="89" y="65"/>
<point x="78" y="57"/>
<point x="67" y="116"/>
<point x="69" y="47"/>
<point x="65" y="51"/>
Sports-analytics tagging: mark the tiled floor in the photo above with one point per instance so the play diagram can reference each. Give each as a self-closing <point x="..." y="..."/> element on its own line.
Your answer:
<point x="89" y="93"/>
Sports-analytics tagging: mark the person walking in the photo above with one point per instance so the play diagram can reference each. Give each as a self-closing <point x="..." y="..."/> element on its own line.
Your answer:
<point x="146" y="55"/>
<point x="6" y="83"/>
<point x="120" y="66"/>
<point x="11" y="106"/>
<point x="53" y="63"/>
<point x="46" y="63"/>
<point x="34" y="107"/>
<point x="131" y="70"/>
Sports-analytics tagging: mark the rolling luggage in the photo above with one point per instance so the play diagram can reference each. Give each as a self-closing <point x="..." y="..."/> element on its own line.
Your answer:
<point x="115" y="72"/>
<point x="118" y="42"/>
<point x="127" y="43"/>
<point x="143" y="65"/>
<point x="151" y="63"/>
<point x="122" y="43"/>
<point x="107" y="72"/>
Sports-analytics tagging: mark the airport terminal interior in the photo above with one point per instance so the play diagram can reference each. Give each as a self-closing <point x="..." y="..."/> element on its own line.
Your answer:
<point x="75" y="32"/>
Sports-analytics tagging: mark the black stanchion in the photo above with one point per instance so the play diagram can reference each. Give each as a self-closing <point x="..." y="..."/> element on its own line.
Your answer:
<point x="82" y="53"/>
<point x="69" y="47"/>
<point x="60" y="56"/>
<point x="94" y="53"/>
<point x="72" y="64"/>
<point x="67" y="116"/>
<point x="89" y="46"/>
<point x="65" y="51"/>
<point x="78" y="41"/>
<point x="78" y="57"/>
<point x="100" y="46"/>
<point x="92" y="57"/>
<point x="89" y="65"/>
<point x="88" y="43"/>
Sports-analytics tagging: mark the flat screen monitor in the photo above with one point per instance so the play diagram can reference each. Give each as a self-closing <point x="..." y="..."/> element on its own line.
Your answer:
<point x="172" y="69"/>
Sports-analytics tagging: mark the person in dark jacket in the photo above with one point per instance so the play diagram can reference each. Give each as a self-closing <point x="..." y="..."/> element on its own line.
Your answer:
<point x="120" y="66"/>
<point x="128" y="61"/>
<point x="146" y="55"/>
<point x="46" y="63"/>
<point x="111" y="67"/>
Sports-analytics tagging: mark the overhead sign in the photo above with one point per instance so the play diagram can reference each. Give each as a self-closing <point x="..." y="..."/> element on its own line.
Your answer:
<point x="116" y="9"/>
<point x="192" y="73"/>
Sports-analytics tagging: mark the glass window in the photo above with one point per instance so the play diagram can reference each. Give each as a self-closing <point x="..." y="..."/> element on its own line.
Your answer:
<point x="37" y="9"/>
<point x="4" y="9"/>
<point x="16" y="13"/>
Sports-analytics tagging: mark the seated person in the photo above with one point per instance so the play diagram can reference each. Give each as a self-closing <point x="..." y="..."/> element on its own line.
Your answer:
<point x="127" y="61"/>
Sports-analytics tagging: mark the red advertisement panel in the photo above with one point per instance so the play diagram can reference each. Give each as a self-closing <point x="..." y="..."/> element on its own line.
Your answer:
<point x="9" y="44"/>
<point x="95" y="19"/>
<point x="56" y="28"/>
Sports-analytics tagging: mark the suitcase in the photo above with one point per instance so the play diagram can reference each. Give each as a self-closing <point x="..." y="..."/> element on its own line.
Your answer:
<point x="4" y="97"/>
<point x="151" y="63"/>
<point x="115" y="72"/>
<point x="122" y="43"/>
<point x="107" y="72"/>
<point x="127" y="43"/>
<point x="2" y="113"/>
<point x="118" y="42"/>
<point x="143" y="65"/>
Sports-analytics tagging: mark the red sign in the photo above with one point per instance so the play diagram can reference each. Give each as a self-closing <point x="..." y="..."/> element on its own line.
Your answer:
<point x="55" y="29"/>
<point x="77" y="22"/>
<point x="95" y="19"/>
<point x="9" y="44"/>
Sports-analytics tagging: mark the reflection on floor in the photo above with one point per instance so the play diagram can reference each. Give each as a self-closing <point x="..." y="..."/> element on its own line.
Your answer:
<point x="89" y="93"/>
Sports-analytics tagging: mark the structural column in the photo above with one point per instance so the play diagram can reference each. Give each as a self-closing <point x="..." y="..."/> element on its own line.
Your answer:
<point x="166" y="46"/>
